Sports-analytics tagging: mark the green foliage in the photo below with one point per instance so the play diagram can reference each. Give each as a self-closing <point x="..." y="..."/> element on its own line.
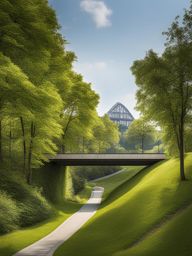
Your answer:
<point x="25" y="205"/>
<point x="94" y="172"/>
<point x="28" y="35"/>
<point x="34" y="209"/>
<point x="22" y="205"/>
<point x="78" y="182"/>
<point x="69" y="189"/>
<point x="17" y="240"/>
<point x="54" y="190"/>
<point x="44" y="104"/>
<point x="9" y="213"/>
<point x="105" y="136"/>
<point x="164" y="85"/>
<point x="188" y="139"/>
<point x="140" y="135"/>
<point x="79" y="113"/>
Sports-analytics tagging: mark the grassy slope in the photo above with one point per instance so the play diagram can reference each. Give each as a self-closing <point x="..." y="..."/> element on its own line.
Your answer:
<point x="110" y="184"/>
<point x="173" y="238"/>
<point x="134" y="209"/>
<point x="113" y="182"/>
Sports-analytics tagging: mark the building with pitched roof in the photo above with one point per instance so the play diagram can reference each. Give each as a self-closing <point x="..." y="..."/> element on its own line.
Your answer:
<point x="121" y="116"/>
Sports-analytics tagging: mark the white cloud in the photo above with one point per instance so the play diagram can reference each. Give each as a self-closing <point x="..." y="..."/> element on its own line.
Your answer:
<point x="99" y="12"/>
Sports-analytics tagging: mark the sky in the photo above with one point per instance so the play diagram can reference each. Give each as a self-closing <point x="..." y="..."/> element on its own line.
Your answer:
<point x="107" y="36"/>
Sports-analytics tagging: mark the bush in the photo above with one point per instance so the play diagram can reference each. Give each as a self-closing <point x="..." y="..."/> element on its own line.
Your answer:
<point x="34" y="209"/>
<point x="9" y="213"/>
<point x="78" y="182"/>
<point x="94" y="172"/>
<point x="21" y="205"/>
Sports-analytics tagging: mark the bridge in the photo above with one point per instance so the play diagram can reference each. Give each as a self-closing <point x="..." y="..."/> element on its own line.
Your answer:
<point x="70" y="159"/>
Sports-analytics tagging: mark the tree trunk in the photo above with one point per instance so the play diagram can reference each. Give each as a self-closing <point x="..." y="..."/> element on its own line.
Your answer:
<point x="1" y="149"/>
<point x="142" y="144"/>
<point x="63" y="144"/>
<point x="63" y="137"/>
<point x="181" y="154"/>
<point x="83" y="144"/>
<point x="29" y="173"/>
<point x="10" y="138"/>
<point x="99" y="147"/>
<point x="65" y="131"/>
<point x="24" y="145"/>
<point x="10" y="148"/>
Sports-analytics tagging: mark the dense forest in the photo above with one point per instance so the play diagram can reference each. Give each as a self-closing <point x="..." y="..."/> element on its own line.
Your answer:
<point x="45" y="108"/>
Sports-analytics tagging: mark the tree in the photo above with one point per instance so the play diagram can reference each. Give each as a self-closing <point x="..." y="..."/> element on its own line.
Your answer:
<point x="140" y="133"/>
<point x="29" y="32"/>
<point x="32" y="87"/>
<point x="111" y="134"/>
<point x="22" y="102"/>
<point x="164" y="84"/>
<point x="158" y="139"/>
<point x="105" y="135"/>
<point x="17" y="94"/>
<point x="45" y="128"/>
<point x="79" y="112"/>
<point x="41" y="98"/>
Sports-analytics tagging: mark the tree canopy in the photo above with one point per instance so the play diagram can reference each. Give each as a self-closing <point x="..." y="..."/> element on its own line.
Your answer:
<point x="140" y="135"/>
<point x="45" y="106"/>
<point x="164" y="84"/>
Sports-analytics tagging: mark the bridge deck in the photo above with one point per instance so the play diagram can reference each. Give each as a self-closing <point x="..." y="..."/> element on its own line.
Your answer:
<point x="107" y="159"/>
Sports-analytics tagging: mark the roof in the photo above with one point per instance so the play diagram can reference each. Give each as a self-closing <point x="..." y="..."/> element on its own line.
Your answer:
<point x="112" y="110"/>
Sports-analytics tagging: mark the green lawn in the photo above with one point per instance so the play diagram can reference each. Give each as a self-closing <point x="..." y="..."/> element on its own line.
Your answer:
<point x="133" y="210"/>
<point x="172" y="238"/>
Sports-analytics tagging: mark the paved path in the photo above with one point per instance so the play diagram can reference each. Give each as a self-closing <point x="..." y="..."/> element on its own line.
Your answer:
<point x="107" y="176"/>
<point x="47" y="245"/>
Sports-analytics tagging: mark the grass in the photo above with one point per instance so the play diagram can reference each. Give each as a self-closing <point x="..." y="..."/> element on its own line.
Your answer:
<point x="113" y="182"/>
<point x="173" y="238"/>
<point x="133" y="210"/>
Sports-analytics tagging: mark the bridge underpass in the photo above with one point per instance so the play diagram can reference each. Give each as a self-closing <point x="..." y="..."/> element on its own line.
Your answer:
<point x="83" y="159"/>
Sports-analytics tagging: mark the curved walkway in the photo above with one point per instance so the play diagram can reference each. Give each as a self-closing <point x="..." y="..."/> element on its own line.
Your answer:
<point x="107" y="176"/>
<point x="47" y="245"/>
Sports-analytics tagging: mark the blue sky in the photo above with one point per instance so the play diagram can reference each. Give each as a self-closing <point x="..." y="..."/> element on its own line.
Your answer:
<point x="108" y="35"/>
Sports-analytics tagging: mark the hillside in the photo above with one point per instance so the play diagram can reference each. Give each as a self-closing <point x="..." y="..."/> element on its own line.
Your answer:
<point x="112" y="183"/>
<point x="153" y="201"/>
